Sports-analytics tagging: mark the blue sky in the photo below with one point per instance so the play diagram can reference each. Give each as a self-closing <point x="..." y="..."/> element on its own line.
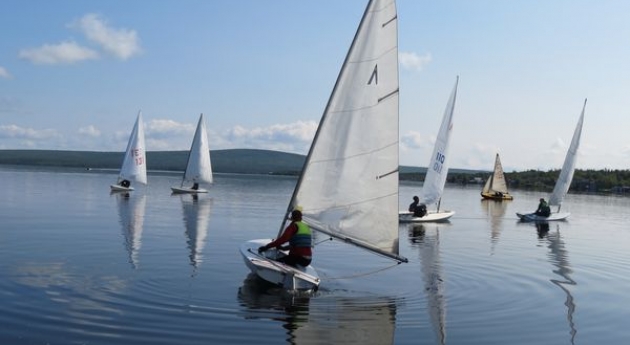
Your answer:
<point x="73" y="75"/>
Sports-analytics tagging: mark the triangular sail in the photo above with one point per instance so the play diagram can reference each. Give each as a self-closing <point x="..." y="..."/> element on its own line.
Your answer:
<point x="199" y="167"/>
<point x="134" y="167"/>
<point x="496" y="183"/>
<point x="566" y="174"/>
<point x="349" y="184"/>
<point x="438" y="165"/>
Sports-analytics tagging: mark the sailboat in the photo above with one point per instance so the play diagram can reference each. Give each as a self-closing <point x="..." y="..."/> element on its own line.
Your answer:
<point x="134" y="166"/>
<point x="435" y="178"/>
<point x="495" y="187"/>
<point x="198" y="167"/>
<point x="348" y="188"/>
<point x="564" y="180"/>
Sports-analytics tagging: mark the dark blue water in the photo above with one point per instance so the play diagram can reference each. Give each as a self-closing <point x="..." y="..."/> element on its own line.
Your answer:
<point x="81" y="266"/>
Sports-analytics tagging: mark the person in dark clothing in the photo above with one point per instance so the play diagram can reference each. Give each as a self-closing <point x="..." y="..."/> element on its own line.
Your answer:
<point x="418" y="209"/>
<point x="125" y="183"/>
<point x="543" y="209"/>
<point x="414" y="204"/>
<point x="299" y="236"/>
<point x="195" y="186"/>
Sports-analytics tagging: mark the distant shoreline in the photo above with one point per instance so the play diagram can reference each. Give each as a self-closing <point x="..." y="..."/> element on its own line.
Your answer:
<point x="267" y="162"/>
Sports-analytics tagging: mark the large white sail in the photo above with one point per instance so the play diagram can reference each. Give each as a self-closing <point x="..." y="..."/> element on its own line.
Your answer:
<point x="566" y="174"/>
<point x="349" y="185"/>
<point x="199" y="167"/>
<point x="496" y="182"/>
<point x="134" y="167"/>
<point x="437" y="169"/>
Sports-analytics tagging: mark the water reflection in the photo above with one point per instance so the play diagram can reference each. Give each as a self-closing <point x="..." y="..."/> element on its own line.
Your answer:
<point x="428" y="243"/>
<point x="131" y="212"/>
<point x="559" y="257"/>
<point x="495" y="211"/>
<point x="196" y="214"/>
<point x="322" y="318"/>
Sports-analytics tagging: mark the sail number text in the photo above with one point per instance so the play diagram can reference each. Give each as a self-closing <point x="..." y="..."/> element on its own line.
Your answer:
<point x="138" y="157"/>
<point x="439" y="161"/>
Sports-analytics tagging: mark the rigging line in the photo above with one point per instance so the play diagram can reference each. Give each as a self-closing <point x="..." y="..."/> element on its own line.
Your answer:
<point x="364" y="274"/>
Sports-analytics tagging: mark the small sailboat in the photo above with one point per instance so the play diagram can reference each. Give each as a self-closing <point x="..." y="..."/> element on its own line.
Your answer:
<point x="495" y="187"/>
<point x="437" y="171"/>
<point x="198" y="167"/>
<point x="348" y="188"/>
<point x="564" y="180"/>
<point x="134" y="166"/>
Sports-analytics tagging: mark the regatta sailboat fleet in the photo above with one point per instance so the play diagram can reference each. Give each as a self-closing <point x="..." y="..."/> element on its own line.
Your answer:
<point x="437" y="171"/>
<point x="198" y="166"/>
<point x="564" y="180"/>
<point x="134" y="166"/>
<point x="348" y="188"/>
<point x="495" y="187"/>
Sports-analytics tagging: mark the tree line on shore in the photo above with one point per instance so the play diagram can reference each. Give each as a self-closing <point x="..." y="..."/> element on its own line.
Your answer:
<point x="584" y="181"/>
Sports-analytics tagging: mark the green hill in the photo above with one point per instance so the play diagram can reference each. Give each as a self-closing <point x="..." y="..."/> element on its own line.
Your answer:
<point x="243" y="161"/>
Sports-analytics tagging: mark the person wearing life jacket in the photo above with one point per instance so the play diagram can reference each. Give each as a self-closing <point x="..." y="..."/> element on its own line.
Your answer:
<point x="543" y="208"/>
<point x="300" y="239"/>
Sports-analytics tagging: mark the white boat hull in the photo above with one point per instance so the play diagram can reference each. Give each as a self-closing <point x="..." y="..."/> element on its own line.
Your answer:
<point x="430" y="217"/>
<point x="119" y="188"/>
<point x="290" y="278"/>
<point x="183" y="190"/>
<point x="532" y="217"/>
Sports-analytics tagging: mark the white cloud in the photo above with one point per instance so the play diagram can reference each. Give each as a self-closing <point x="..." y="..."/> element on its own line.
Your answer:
<point x="4" y="73"/>
<point x="414" y="140"/>
<point x="16" y="132"/>
<point x="414" y="61"/>
<point x="90" y="131"/>
<point x="165" y="128"/>
<point x="294" y="137"/>
<point x="51" y="54"/>
<point x="122" y="43"/>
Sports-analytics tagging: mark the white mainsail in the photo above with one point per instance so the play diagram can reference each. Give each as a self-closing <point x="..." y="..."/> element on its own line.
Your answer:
<point x="199" y="167"/>
<point x="496" y="182"/>
<point x="437" y="169"/>
<point x="566" y="174"/>
<point x="134" y="167"/>
<point x="349" y="184"/>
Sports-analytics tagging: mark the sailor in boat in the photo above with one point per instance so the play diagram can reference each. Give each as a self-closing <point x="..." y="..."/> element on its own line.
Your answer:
<point x="418" y="209"/>
<point x="543" y="209"/>
<point x="300" y="239"/>
<point x="125" y="183"/>
<point x="195" y="186"/>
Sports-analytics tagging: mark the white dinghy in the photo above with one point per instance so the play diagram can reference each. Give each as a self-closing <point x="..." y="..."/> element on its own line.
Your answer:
<point x="348" y="188"/>
<point x="134" y="166"/>
<point x="198" y="167"/>
<point x="564" y="180"/>
<point x="437" y="171"/>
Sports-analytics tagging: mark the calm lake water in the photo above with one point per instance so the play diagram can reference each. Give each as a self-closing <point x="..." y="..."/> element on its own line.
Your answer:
<point x="81" y="266"/>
